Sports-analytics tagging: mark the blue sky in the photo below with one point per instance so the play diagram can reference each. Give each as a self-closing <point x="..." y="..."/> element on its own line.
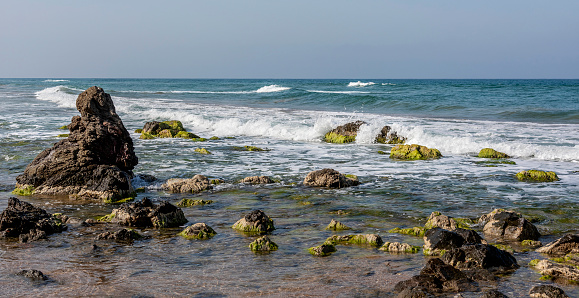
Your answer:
<point x="289" y="39"/>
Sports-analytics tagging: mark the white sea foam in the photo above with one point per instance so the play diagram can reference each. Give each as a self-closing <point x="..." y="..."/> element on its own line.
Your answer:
<point x="360" y="84"/>
<point x="51" y="81"/>
<point x="272" y="88"/>
<point x="338" y="92"/>
<point x="264" y="89"/>
<point x="388" y="84"/>
<point x="58" y="95"/>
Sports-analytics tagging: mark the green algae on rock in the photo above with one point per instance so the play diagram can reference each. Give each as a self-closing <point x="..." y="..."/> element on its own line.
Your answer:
<point x="330" y="178"/>
<point x="139" y="130"/>
<point x="63" y="135"/>
<point x="416" y="231"/>
<point x="335" y="138"/>
<point x="323" y="250"/>
<point x="337" y="226"/>
<point x="538" y="176"/>
<point x="255" y="222"/>
<point x="414" y="152"/>
<point x="165" y="129"/>
<point x="191" y="202"/>
<point x="120" y="200"/>
<point x="263" y="244"/>
<point x="250" y="148"/>
<point x="202" y="151"/>
<point x="397" y="247"/>
<point x="491" y="153"/>
<point x="344" y="133"/>
<point x="199" y="231"/>
<point x="360" y="239"/>
<point x="63" y="127"/>
<point x="23" y="190"/>
<point x="388" y="136"/>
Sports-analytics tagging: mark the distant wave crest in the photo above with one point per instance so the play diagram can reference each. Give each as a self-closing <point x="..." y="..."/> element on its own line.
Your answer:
<point x="338" y="92"/>
<point x="360" y="84"/>
<point x="52" y="81"/>
<point x="61" y="95"/>
<point x="272" y="88"/>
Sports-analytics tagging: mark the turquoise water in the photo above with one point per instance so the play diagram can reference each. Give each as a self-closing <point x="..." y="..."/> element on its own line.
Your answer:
<point x="535" y="121"/>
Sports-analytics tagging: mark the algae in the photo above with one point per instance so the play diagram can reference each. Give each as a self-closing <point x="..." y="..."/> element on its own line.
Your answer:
<point x="24" y="190"/>
<point x="146" y="136"/>
<point x="399" y="248"/>
<point x="63" y="127"/>
<point x="368" y="239"/>
<point x="491" y="153"/>
<point x="323" y="250"/>
<point x="414" y="152"/>
<point x="119" y="201"/>
<point x="106" y="218"/>
<point x="63" y="135"/>
<point x="416" y="231"/>
<point x="214" y="138"/>
<point x="337" y="226"/>
<point x="335" y="138"/>
<point x="202" y="151"/>
<point x="192" y="202"/>
<point x="250" y="148"/>
<point x="198" y="231"/>
<point x="139" y="130"/>
<point x="536" y="175"/>
<point x="263" y="244"/>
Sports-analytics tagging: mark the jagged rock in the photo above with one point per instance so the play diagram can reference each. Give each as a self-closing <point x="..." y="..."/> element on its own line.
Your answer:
<point x="263" y="243"/>
<point x="329" y="178"/>
<point x="508" y="225"/>
<point x="537" y="176"/>
<point x="388" y="136"/>
<point x="23" y="220"/>
<point x="437" y="219"/>
<point x="255" y="222"/>
<point x="483" y="256"/>
<point x="564" y="245"/>
<point x="198" y="231"/>
<point x="196" y="184"/>
<point x="547" y="291"/>
<point x="257" y="180"/>
<point x="33" y="274"/>
<point x="397" y="247"/>
<point x="437" y="277"/>
<point x="123" y="235"/>
<point x="437" y="241"/>
<point x="323" y="250"/>
<point x="147" y="214"/>
<point x="337" y="226"/>
<point x="95" y="161"/>
<point x="494" y="294"/>
<point x="414" y="152"/>
<point x="491" y="153"/>
<point x="363" y="239"/>
<point x="344" y="133"/>
<point x="556" y="270"/>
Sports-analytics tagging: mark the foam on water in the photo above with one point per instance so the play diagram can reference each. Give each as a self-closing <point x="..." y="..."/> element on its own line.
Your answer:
<point x="360" y="84"/>
<point x="55" y="81"/>
<point x="338" y="92"/>
<point x="60" y="95"/>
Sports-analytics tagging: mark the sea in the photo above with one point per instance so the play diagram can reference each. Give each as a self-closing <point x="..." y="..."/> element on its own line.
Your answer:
<point x="536" y="122"/>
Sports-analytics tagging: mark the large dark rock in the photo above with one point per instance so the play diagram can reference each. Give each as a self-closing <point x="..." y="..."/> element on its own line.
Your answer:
<point x="437" y="277"/>
<point x="147" y="214"/>
<point x="329" y="178"/>
<point x="508" y="225"/>
<point x="96" y="160"/>
<point x="21" y="219"/>
<point x="547" y="291"/>
<point x="437" y="241"/>
<point x="564" y="245"/>
<point x="122" y="235"/>
<point x="483" y="256"/>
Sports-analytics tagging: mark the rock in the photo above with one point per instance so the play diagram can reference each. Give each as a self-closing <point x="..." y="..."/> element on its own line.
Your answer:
<point x="329" y="178"/>
<point x="257" y="180"/>
<point x="564" y="245"/>
<point x="123" y="235"/>
<point x="323" y="250"/>
<point x="556" y="270"/>
<point x="508" y="225"/>
<point x="494" y="294"/>
<point x="166" y="129"/>
<point x="437" y="241"/>
<point x="414" y="293"/>
<point x="414" y="152"/>
<point x="547" y="291"/>
<point x="250" y="148"/>
<point x="491" y="153"/>
<point x="255" y="222"/>
<point x="147" y="178"/>
<point x="196" y="184"/>
<point x="198" y="231"/>
<point x="537" y="176"/>
<point x="437" y="219"/>
<point x="531" y="243"/>
<point x="483" y="256"/>
<point x="337" y="226"/>
<point x="344" y="134"/>
<point x="437" y="277"/>
<point x="147" y="214"/>
<point x="33" y="274"/>
<point x="23" y="220"/>
<point x="190" y="202"/>
<point x="397" y="247"/>
<point x="416" y="231"/>
<point x="262" y="243"/>
<point x="388" y="136"/>
<point x="95" y="161"/>
<point x="363" y="239"/>
<point x="202" y="151"/>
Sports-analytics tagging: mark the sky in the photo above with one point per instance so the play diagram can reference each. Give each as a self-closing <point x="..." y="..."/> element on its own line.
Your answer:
<point x="290" y="39"/>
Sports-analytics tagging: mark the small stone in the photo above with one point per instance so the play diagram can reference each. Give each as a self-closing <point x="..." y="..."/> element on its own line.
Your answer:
<point x="329" y="178"/>
<point x="198" y="231"/>
<point x="33" y="274"/>
<point x="196" y="184"/>
<point x="361" y="239"/>
<point x="256" y="222"/>
<point x="323" y="250"/>
<point x="397" y="247"/>
<point x="337" y="226"/>
<point x="257" y="180"/>
<point x="263" y="243"/>
<point x="191" y="202"/>
<point x="491" y="153"/>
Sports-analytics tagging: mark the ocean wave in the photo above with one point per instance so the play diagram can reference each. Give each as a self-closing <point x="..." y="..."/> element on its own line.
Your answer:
<point x="338" y="92"/>
<point x="388" y="84"/>
<point x="264" y="89"/>
<point x="61" y="95"/>
<point x="360" y="84"/>
<point x="272" y="88"/>
<point x="53" y="81"/>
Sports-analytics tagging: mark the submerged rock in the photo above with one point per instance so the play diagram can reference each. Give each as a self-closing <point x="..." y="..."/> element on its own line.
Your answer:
<point x="547" y="291"/>
<point x="191" y="202"/>
<point x="564" y="245"/>
<point x="537" y="176"/>
<point x="95" y="161"/>
<point x="556" y="270"/>
<point x="491" y="153"/>
<point x="414" y="152"/>
<point x="196" y="184"/>
<point x="166" y="129"/>
<point x="437" y="277"/>
<point x="397" y="247"/>
<point x="123" y="235"/>
<point x="147" y="214"/>
<point x="494" y="294"/>
<point x="483" y="256"/>
<point x="198" y="231"/>
<point x="508" y="225"/>
<point x="257" y="180"/>
<point x="388" y="136"/>
<point x="29" y="223"/>
<point x="329" y="178"/>
<point x="255" y="222"/>
<point x="337" y="226"/>
<point x="323" y="250"/>
<point x="344" y="133"/>
<point x="262" y="243"/>
<point x="33" y="274"/>
<point x="362" y="239"/>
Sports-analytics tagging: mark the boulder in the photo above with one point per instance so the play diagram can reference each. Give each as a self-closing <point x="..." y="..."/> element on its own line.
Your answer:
<point x="491" y="153"/>
<point x="198" y="231"/>
<point x="27" y="222"/>
<point x="437" y="241"/>
<point x="262" y="244"/>
<point x="568" y="244"/>
<point x="483" y="256"/>
<point x="257" y="180"/>
<point x="493" y="294"/>
<point x="323" y="250"/>
<point x="437" y="277"/>
<point x="508" y="225"/>
<point x="329" y="178"/>
<point x="337" y="226"/>
<point x="414" y="152"/>
<point x="95" y="161"/>
<point x="33" y="274"/>
<point x="537" y="176"/>
<point x="166" y="129"/>
<point x="122" y="235"/>
<point x="397" y="247"/>
<point x="556" y="270"/>
<point x="437" y="219"/>
<point x="196" y="184"/>
<point x="255" y="222"/>
<point x="388" y="136"/>
<point x="344" y="134"/>
<point x="147" y="214"/>
<point x="547" y="291"/>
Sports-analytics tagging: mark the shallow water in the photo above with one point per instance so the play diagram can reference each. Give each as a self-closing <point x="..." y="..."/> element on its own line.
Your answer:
<point x="290" y="121"/>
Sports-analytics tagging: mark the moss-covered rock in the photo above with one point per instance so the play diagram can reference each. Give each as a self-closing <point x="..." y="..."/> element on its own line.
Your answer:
<point x="382" y="152"/>
<point x="323" y="250"/>
<point x="414" y="152"/>
<point x="202" y="151"/>
<point x="255" y="222"/>
<point x="538" y="176"/>
<point x="491" y="153"/>
<point x="330" y="178"/>
<point x="63" y="127"/>
<point x="249" y="148"/>
<point x="337" y="226"/>
<point x="167" y="133"/>
<point x="397" y="247"/>
<point x="214" y="138"/>
<point x="146" y="136"/>
<point x="191" y="202"/>
<point x="23" y="190"/>
<point x="139" y="130"/>
<point x="262" y="244"/>
<point x="389" y="136"/>
<point x="335" y="138"/>
<point x="63" y="135"/>
<point x="119" y="200"/>
<point x="531" y="243"/>
<point x="165" y="129"/>
<point x="199" y="231"/>
<point x="344" y="134"/>
<point x="416" y="231"/>
<point x="362" y="239"/>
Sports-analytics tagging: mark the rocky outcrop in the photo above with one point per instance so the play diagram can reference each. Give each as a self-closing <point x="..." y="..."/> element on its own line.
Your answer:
<point x="491" y="153"/>
<point x="147" y="214"/>
<point x="196" y="184"/>
<point x="329" y="178"/>
<point x="257" y="180"/>
<point x="96" y="159"/>
<point x="484" y="256"/>
<point x="508" y="225"/>
<point x="122" y="235"/>
<point x="262" y="244"/>
<point x="344" y="133"/>
<point x="547" y="291"/>
<point x="537" y="176"/>
<point x="568" y="244"/>
<point x="414" y="152"/>
<point x="21" y="219"/>
<point x="389" y="136"/>
<point x="166" y="129"/>
<point x="437" y="241"/>
<point x="198" y="231"/>
<point x="255" y="222"/>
